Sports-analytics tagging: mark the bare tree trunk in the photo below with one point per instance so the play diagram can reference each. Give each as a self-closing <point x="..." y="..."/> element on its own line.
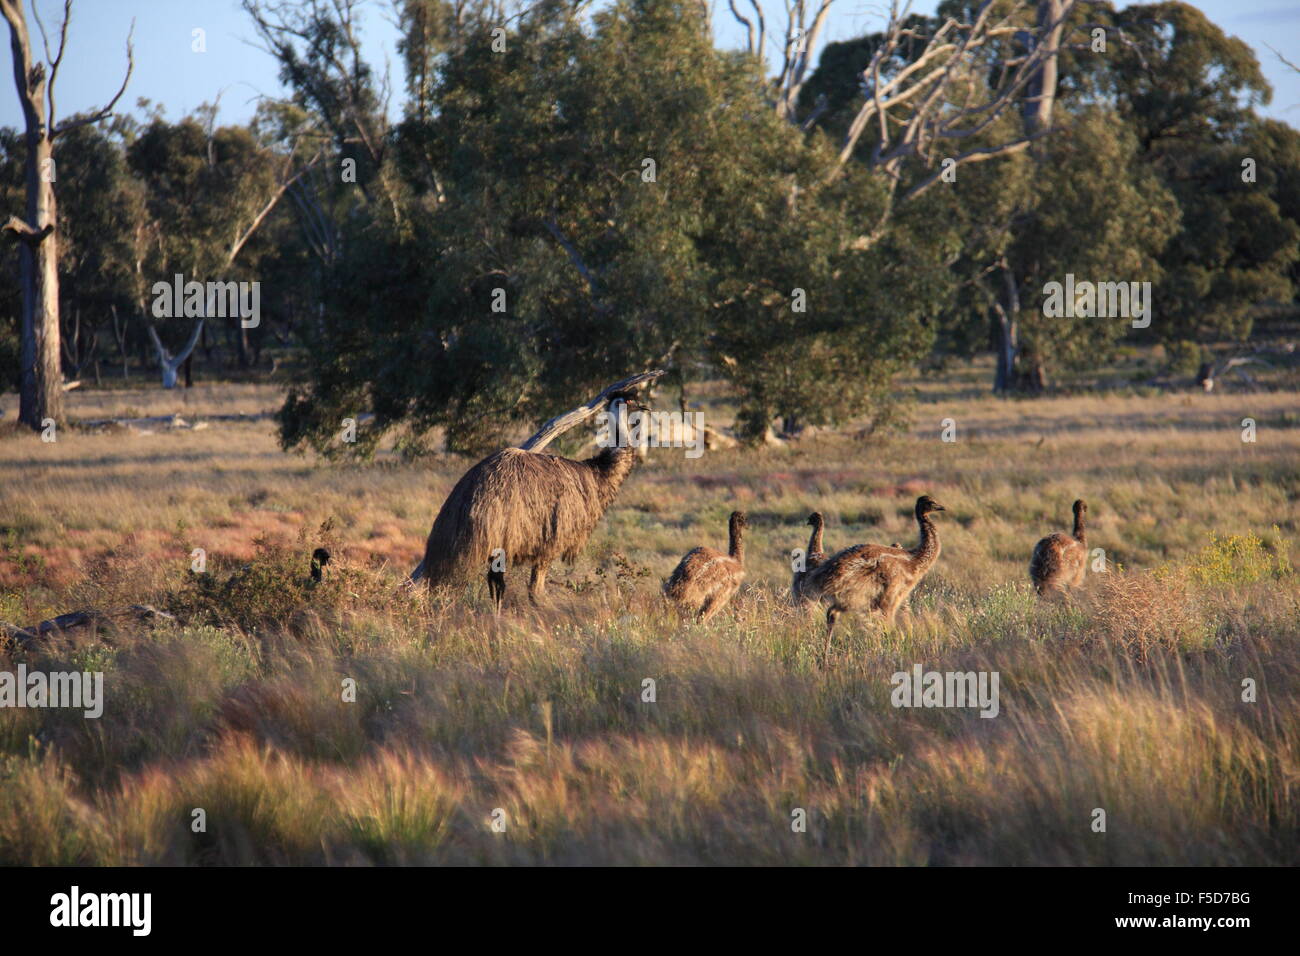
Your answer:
<point x="1041" y="90"/>
<point x="1007" y="334"/>
<point x="42" y="382"/>
<point x="170" y="364"/>
<point x="1006" y="308"/>
<point x="119" y="336"/>
<point x="1032" y="375"/>
<point x="41" y="389"/>
<point x="1019" y="370"/>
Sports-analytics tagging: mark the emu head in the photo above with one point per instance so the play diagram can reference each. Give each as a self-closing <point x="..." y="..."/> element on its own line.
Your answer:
<point x="628" y="428"/>
<point x="925" y="505"/>
<point x="319" y="558"/>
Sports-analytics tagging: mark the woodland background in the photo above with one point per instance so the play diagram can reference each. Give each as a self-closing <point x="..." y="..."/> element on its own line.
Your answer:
<point x="518" y="179"/>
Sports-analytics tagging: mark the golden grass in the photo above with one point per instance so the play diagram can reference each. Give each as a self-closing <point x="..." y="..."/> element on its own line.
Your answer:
<point x="1127" y="697"/>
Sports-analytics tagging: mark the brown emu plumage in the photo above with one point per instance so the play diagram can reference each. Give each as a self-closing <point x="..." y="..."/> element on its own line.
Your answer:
<point x="872" y="577"/>
<point x="705" y="579"/>
<point x="814" y="556"/>
<point x="1060" y="559"/>
<point x="535" y="508"/>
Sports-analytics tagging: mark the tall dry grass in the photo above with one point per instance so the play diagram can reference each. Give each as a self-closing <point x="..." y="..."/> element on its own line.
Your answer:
<point x="1127" y="698"/>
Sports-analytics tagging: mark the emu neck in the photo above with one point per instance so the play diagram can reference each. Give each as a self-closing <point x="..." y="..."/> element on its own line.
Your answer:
<point x="736" y="547"/>
<point x="926" y="551"/>
<point x="1080" y="532"/>
<point x="612" y="466"/>
<point x="815" y="540"/>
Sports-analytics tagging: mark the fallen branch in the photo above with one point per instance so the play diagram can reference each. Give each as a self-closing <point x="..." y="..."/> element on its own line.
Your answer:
<point x="560" y="424"/>
<point x="23" y="636"/>
<point x="174" y="421"/>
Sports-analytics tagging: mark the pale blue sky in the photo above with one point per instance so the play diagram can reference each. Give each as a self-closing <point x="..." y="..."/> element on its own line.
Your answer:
<point x="167" y="71"/>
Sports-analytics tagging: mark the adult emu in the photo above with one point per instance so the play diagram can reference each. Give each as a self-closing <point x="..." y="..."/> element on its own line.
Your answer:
<point x="522" y="507"/>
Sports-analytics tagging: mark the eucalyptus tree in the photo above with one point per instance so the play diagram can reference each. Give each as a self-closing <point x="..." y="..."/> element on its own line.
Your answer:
<point x="41" y="391"/>
<point x="1190" y="92"/>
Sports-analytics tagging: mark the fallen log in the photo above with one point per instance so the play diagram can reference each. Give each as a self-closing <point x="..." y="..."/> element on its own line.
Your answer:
<point x="175" y="421"/>
<point x="23" y="636"/>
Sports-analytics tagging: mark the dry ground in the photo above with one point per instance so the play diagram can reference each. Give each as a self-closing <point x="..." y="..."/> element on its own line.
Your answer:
<point x="1127" y="699"/>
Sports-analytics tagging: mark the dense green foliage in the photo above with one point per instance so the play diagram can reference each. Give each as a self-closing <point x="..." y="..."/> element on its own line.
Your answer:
<point x="578" y="195"/>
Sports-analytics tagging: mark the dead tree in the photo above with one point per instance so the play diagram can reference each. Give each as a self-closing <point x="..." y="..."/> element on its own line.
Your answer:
<point x="170" y="364"/>
<point x="41" y="390"/>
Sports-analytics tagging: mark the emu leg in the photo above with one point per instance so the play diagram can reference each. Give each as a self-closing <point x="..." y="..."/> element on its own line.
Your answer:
<point x="496" y="581"/>
<point x="537" y="583"/>
<point x="831" y="614"/>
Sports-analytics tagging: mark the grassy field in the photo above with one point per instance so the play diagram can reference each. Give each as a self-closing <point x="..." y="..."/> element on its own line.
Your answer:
<point x="1127" y="699"/>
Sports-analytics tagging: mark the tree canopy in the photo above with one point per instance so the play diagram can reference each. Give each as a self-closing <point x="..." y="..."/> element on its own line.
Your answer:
<point x="571" y="194"/>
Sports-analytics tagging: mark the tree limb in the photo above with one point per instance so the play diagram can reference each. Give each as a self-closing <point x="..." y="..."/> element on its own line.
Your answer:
<point x="96" y="115"/>
<point x="55" y="60"/>
<point x="25" y="233"/>
<point x="574" y="256"/>
<point x="266" y="210"/>
<point x="560" y="424"/>
<point x="25" y="636"/>
<point x="939" y="88"/>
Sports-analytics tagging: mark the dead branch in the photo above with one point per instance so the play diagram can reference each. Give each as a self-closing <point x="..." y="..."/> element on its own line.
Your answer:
<point x="24" y="232"/>
<point x="560" y="424"/>
<point x="166" y="361"/>
<point x="25" y="636"/>
<point x="270" y="204"/>
<point x="94" y="116"/>
<point x="935" y="97"/>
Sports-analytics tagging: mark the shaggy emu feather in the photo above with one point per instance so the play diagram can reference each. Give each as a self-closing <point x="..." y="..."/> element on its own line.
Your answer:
<point x="870" y="577"/>
<point x="814" y="556"/>
<point x="535" y="508"/>
<point x="1060" y="560"/>
<point x="706" y="579"/>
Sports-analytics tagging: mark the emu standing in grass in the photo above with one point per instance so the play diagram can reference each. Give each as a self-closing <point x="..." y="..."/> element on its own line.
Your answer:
<point x="872" y="577"/>
<point x="813" y="557"/>
<point x="1060" y="559"/>
<point x="705" y="579"/>
<point x="522" y="507"/>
